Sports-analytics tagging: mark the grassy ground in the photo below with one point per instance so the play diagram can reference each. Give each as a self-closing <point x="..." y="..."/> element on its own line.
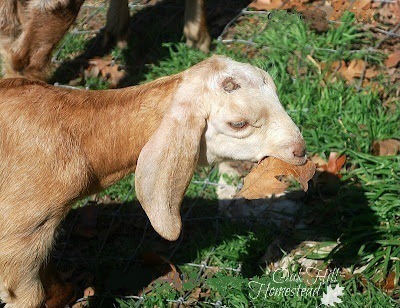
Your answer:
<point x="361" y="214"/>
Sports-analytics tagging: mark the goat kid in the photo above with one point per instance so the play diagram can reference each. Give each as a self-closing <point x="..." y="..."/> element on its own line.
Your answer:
<point x="58" y="145"/>
<point x="30" y="29"/>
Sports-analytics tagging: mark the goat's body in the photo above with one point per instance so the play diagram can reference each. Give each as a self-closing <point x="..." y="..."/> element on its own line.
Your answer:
<point x="79" y="142"/>
<point x="58" y="145"/>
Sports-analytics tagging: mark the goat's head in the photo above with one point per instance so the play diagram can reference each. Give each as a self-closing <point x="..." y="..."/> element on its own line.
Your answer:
<point x="222" y="110"/>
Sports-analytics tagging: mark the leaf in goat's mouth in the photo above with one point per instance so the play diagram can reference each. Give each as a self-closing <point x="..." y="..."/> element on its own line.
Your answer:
<point x="271" y="175"/>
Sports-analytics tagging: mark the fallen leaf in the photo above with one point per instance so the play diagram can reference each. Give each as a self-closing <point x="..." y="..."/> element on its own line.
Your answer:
<point x="263" y="181"/>
<point x="393" y="59"/>
<point x="107" y="69"/>
<point x="389" y="283"/>
<point x="386" y="147"/>
<point x="316" y="19"/>
<point x="89" y="291"/>
<point x="389" y="13"/>
<point x="169" y="273"/>
<point x="335" y="163"/>
<point x="327" y="177"/>
<point x="356" y="69"/>
<point x="265" y="5"/>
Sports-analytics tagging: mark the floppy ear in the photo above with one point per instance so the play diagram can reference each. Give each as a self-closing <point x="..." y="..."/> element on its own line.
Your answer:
<point x="165" y="167"/>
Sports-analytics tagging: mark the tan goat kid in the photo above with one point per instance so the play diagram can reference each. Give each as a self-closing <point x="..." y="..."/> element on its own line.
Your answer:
<point x="58" y="145"/>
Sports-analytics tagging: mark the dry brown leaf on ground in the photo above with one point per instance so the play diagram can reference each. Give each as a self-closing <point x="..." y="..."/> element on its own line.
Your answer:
<point x="107" y="69"/>
<point x="335" y="163"/>
<point x="388" y="13"/>
<point x="263" y="181"/>
<point x="355" y="69"/>
<point x="265" y="5"/>
<point x="362" y="9"/>
<point x="386" y="147"/>
<point x="327" y="177"/>
<point x="167" y="271"/>
<point x="393" y="59"/>
<point x="316" y="19"/>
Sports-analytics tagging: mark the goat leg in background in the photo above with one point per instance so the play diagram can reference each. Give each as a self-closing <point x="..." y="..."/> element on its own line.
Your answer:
<point x="195" y="28"/>
<point x="117" y="26"/>
<point x="10" y="29"/>
<point x="43" y="26"/>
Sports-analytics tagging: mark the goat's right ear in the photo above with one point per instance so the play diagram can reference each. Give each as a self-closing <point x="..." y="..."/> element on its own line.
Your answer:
<point x="166" y="165"/>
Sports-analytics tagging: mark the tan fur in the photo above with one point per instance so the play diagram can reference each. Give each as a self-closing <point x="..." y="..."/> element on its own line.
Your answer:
<point x="58" y="145"/>
<point x="30" y="29"/>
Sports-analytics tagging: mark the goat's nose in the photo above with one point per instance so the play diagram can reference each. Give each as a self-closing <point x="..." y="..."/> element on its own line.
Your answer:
<point x="299" y="149"/>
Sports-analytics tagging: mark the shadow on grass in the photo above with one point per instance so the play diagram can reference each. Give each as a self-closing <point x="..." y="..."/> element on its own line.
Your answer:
<point x="149" y="29"/>
<point x="112" y="258"/>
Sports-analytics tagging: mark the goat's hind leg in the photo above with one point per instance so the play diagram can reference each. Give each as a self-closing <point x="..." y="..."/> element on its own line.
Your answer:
<point x="117" y="26"/>
<point x="10" y="28"/>
<point x="195" y="28"/>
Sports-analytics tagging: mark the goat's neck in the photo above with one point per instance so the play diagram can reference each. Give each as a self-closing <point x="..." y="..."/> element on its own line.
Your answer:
<point x="122" y="125"/>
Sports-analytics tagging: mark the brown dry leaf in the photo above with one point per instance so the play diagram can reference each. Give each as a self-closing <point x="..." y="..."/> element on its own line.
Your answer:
<point x="386" y="147"/>
<point x="319" y="162"/>
<point x="265" y="5"/>
<point x="316" y="19"/>
<point x="107" y="69"/>
<point x="327" y="177"/>
<point x="355" y="69"/>
<point x="169" y="272"/>
<point x="262" y="181"/>
<point x="393" y="59"/>
<point x="335" y="163"/>
<point x="389" y="13"/>
<point x="362" y="10"/>
<point x="196" y="293"/>
<point x="89" y="291"/>
<point x="389" y="284"/>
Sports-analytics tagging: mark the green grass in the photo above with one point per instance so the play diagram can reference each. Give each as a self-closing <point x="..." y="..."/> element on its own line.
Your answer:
<point x="333" y="116"/>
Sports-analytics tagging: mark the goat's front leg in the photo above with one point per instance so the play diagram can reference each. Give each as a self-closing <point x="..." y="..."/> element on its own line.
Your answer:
<point x="42" y="29"/>
<point x="117" y="26"/>
<point x="195" y="28"/>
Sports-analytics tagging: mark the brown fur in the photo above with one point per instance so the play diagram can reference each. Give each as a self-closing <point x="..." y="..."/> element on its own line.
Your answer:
<point x="55" y="149"/>
<point x="30" y="29"/>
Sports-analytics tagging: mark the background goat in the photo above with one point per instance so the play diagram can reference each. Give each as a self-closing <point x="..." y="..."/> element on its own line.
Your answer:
<point x="58" y="145"/>
<point x="30" y="29"/>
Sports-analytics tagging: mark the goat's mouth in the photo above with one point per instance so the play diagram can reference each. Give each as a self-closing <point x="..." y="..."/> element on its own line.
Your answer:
<point x="295" y="160"/>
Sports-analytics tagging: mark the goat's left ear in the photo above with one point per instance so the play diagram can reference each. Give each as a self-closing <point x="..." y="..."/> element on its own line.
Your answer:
<point x="165" y="168"/>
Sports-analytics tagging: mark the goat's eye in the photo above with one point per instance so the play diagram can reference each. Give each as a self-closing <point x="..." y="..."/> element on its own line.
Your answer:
<point x="238" y="125"/>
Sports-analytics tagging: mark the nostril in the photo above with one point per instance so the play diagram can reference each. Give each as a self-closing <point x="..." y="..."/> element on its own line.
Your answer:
<point x="299" y="150"/>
